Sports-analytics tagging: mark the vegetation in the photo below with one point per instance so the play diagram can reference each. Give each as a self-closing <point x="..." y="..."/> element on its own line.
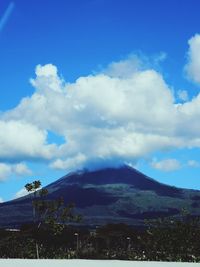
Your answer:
<point x="162" y="240"/>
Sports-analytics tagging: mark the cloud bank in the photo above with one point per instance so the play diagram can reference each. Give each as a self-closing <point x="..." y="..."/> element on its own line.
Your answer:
<point x="122" y="114"/>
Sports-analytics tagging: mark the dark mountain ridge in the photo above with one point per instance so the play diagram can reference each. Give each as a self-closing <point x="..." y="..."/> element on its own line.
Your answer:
<point x="110" y="196"/>
<point x="124" y="175"/>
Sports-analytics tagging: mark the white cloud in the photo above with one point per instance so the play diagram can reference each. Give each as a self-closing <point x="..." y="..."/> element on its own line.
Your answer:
<point x="166" y="165"/>
<point x="183" y="95"/>
<point x="193" y="163"/>
<point x="21" y="169"/>
<point x="70" y="163"/>
<point x="48" y="70"/>
<point x="124" y="68"/>
<point x="133" y="63"/>
<point x="47" y="79"/>
<point x="124" y="113"/>
<point x="23" y="140"/>
<point x="21" y="193"/>
<point x="193" y="66"/>
<point x="98" y="114"/>
<point x="1" y="200"/>
<point x="6" y="170"/>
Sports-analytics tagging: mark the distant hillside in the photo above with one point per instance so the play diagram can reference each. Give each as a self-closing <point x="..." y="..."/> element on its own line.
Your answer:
<point x="110" y="196"/>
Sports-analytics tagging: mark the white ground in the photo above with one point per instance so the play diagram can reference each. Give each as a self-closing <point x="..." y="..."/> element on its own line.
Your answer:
<point x="89" y="263"/>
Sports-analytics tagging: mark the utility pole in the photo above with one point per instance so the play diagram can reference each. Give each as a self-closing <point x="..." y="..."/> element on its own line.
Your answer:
<point x="77" y="241"/>
<point x="129" y="242"/>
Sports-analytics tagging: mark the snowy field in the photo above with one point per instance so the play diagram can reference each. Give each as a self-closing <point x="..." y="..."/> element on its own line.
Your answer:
<point x="89" y="263"/>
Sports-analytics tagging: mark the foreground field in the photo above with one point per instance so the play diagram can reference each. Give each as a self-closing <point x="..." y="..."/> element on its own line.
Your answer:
<point x="88" y="263"/>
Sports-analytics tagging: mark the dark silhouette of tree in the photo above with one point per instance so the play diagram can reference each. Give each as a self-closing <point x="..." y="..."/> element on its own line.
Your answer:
<point x="49" y="214"/>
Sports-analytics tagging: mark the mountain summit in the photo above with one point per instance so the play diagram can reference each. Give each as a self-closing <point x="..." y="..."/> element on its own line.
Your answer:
<point x="110" y="195"/>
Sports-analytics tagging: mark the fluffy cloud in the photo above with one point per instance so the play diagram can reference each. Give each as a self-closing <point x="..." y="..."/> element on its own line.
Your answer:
<point x="47" y="79"/>
<point x="183" y="95"/>
<point x="166" y="165"/>
<point x="133" y="63"/>
<point x="60" y="164"/>
<point x="124" y="68"/>
<point x="21" y="169"/>
<point x="23" y="140"/>
<point x="193" y="66"/>
<point x="5" y="171"/>
<point x="193" y="163"/>
<point x="9" y="169"/>
<point x="121" y="114"/>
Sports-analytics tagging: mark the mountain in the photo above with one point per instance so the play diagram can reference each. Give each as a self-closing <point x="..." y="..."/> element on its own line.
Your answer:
<point x="122" y="195"/>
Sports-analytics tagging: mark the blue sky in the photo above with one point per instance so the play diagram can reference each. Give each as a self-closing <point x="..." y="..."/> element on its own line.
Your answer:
<point x="99" y="82"/>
